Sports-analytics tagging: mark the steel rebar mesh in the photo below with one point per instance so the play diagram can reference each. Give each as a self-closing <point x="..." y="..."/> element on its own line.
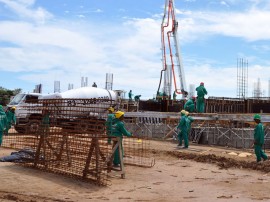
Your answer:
<point x="69" y="137"/>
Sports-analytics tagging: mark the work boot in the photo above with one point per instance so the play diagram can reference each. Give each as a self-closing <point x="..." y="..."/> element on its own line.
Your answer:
<point x="184" y="147"/>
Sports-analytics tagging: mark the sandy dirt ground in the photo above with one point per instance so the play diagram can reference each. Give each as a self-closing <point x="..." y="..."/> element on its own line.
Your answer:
<point x="200" y="173"/>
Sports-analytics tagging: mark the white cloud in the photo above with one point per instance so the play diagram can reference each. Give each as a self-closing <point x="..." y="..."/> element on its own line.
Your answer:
<point x="98" y="11"/>
<point x="24" y="9"/>
<point x="250" y="25"/>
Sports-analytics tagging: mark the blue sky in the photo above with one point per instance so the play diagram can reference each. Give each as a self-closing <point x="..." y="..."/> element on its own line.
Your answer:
<point x="46" y="40"/>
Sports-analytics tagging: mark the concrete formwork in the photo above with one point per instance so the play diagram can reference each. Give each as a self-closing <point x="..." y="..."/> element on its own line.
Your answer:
<point x="234" y="130"/>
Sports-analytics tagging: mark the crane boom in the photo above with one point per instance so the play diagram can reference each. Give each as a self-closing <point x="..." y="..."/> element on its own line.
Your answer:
<point x="171" y="56"/>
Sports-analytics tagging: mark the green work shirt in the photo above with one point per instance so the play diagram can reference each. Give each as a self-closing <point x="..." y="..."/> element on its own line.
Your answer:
<point x="3" y="120"/>
<point x="46" y="119"/>
<point x="201" y="91"/>
<point x="189" y="106"/>
<point x="182" y="125"/>
<point x="109" y="122"/>
<point x="259" y="134"/>
<point x="11" y="117"/>
<point x="118" y="129"/>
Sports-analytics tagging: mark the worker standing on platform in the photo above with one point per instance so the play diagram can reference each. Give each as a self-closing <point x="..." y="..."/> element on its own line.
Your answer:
<point x="259" y="138"/>
<point x="201" y="92"/>
<point x="109" y="123"/>
<point x="189" y="105"/>
<point x="118" y="130"/>
<point x="174" y="95"/>
<point x="130" y="95"/>
<point x="11" y="119"/>
<point x="3" y="123"/>
<point x="183" y="129"/>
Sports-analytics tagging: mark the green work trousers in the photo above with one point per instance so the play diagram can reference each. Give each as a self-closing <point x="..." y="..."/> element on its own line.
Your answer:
<point x="7" y="128"/>
<point x="1" y="137"/>
<point x="200" y="105"/>
<point x="259" y="153"/>
<point x="183" y="135"/>
<point x="116" y="156"/>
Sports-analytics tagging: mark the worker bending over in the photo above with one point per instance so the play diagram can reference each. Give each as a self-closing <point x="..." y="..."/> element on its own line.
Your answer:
<point x="190" y="105"/>
<point x="201" y="92"/>
<point x="259" y="139"/>
<point x="118" y="130"/>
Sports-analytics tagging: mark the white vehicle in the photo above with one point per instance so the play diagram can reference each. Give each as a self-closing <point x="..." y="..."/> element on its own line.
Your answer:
<point x="24" y="120"/>
<point x="29" y="122"/>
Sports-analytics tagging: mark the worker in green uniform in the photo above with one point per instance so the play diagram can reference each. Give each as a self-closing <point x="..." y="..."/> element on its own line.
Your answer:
<point x="183" y="129"/>
<point x="137" y="98"/>
<point x="11" y="118"/>
<point x="118" y="130"/>
<point x="130" y="95"/>
<point x="189" y="120"/>
<point x="201" y="92"/>
<point x="109" y="122"/>
<point x="259" y="138"/>
<point x="174" y="95"/>
<point x="45" y="123"/>
<point x="3" y="123"/>
<point x="189" y="105"/>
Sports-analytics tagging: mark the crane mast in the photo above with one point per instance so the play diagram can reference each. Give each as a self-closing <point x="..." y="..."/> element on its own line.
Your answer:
<point x="171" y="56"/>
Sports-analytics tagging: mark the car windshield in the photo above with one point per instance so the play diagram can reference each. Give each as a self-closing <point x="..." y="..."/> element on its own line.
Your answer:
<point x="17" y="99"/>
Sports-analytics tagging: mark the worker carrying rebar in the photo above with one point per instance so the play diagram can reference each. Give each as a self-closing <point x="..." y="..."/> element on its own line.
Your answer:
<point x="109" y="123"/>
<point x="119" y="130"/>
<point x="190" y="104"/>
<point x="259" y="139"/>
<point x="201" y="92"/>
<point x="183" y="129"/>
<point x="3" y="123"/>
<point x="11" y="118"/>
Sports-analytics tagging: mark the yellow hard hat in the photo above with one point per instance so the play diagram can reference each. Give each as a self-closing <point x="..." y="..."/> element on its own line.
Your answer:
<point x="111" y="109"/>
<point x="187" y="113"/>
<point x="118" y="114"/>
<point x="183" y="111"/>
<point x="13" y="108"/>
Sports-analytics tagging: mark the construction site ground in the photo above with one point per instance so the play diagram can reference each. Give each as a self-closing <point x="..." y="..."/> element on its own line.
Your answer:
<point x="200" y="173"/>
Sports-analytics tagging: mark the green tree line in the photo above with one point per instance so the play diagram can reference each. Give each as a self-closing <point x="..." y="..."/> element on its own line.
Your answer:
<point x="6" y="95"/>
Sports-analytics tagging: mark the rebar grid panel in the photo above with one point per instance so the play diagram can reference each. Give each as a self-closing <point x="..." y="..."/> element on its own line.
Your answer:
<point x="69" y="137"/>
<point x="136" y="152"/>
